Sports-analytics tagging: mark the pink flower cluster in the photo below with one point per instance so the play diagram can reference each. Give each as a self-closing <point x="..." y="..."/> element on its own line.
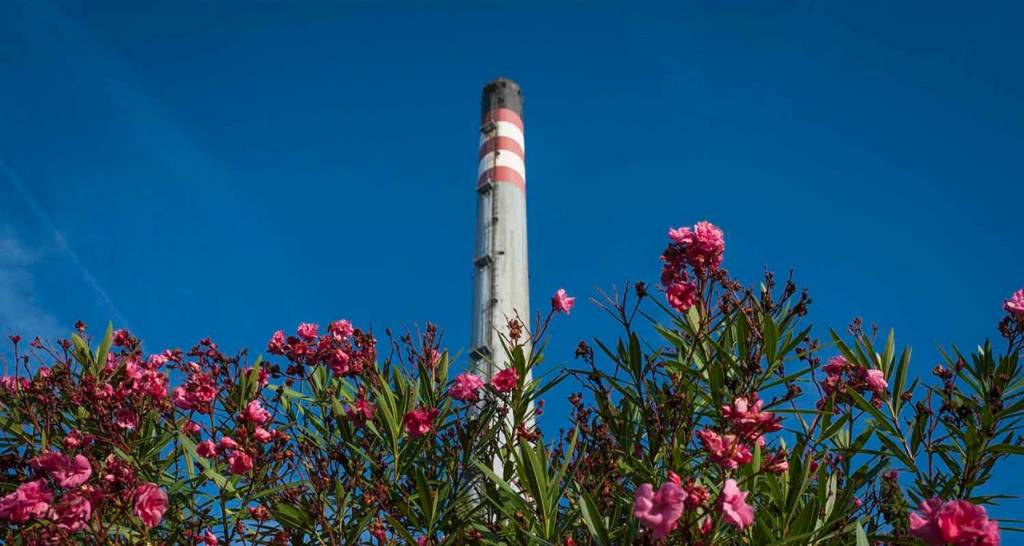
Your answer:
<point x="346" y="350"/>
<point x="505" y="380"/>
<point x="198" y="393"/>
<point x="466" y="388"/>
<point x="661" y="510"/>
<point x="841" y="376"/>
<point x="150" y="503"/>
<point x="420" y="421"/>
<point x="747" y="423"/>
<point x="704" y="245"/>
<point x="955" y="522"/>
<point x="701" y="249"/>
<point x="72" y="511"/>
<point x="725" y="450"/>
<point x="561" y="302"/>
<point x="1015" y="305"/>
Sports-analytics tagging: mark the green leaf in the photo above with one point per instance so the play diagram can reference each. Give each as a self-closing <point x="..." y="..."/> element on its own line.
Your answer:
<point x="104" y="348"/>
<point x="862" y="537"/>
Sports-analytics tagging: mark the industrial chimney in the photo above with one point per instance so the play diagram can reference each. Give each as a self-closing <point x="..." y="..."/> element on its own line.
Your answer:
<point x="501" y="284"/>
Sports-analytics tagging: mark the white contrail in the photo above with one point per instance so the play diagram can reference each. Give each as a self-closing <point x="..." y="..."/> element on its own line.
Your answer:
<point x="62" y="243"/>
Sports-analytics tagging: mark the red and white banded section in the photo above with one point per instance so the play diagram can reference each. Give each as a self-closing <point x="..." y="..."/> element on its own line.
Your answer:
<point x="502" y="149"/>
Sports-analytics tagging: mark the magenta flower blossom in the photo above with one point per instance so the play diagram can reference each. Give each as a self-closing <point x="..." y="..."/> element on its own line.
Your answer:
<point x="955" y="522"/>
<point x="126" y="419"/>
<point x="73" y="471"/>
<point x="276" y="345"/>
<point x="72" y="513"/>
<point x="262" y="435"/>
<point x="308" y="331"/>
<point x="735" y="510"/>
<point x="255" y="413"/>
<point x="29" y="501"/>
<point x="749" y="421"/>
<point x="681" y="295"/>
<point x="466" y="388"/>
<point x="192" y="427"/>
<point x="360" y="411"/>
<point x="206" y="449"/>
<point x="876" y="381"/>
<point x="726" y="451"/>
<point x="239" y="462"/>
<point x="659" y="511"/>
<point x="228" y="442"/>
<point x="505" y="380"/>
<point x="702" y="247"/>
<point x="340" y="329"/>
<point x="419" y="422"/>
<point x="681" y="236"/>
<point x="1015" y="305"/>
<point x="150" y="504"/>
<point x="561" y="302"/>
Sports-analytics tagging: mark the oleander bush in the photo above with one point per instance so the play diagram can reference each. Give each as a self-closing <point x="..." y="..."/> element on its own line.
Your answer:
<point x="720" y="417"/>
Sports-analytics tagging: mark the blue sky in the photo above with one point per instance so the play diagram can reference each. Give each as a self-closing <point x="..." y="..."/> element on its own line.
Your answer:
<point x="198" y="170"/>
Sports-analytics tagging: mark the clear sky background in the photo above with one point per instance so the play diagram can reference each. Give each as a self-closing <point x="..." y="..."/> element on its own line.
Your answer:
<point x="225" y="170"/>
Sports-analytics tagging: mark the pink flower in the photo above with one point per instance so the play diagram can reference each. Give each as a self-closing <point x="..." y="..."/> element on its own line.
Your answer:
<point x="74" y="472"/>
<point x="702" y="247"/>
<point x="72" y="440"/>
<point x="562" y="302"/>
<point x="956" y="522"/>
<point x="681" y="295"/>
<point x="239" y="462"/>
<point x="72" y="513"/>
<point x="726" y="451"/>
<point x="181" y="398"/>
<point x="150" y="504"/>
<point x="659" y="511"/>
<point x="749" y="421"/>
<point x="708" y="245"/>
<point x="340" y="329"/>
<point x="505" y="380"/>
<point x="276" y="345"/>
<point x="191" y="427"/>
<point x="28" y="501"/>
<point x="121" y="338"/>
<point x="155" y="361"/>
<point x="360" y="411"/>
<point x="419" y="422"/>
<point x="126" y="419"/>
<point x="777" y="462"/>
<point x="210" y="539"/>
<point x="204" y="393"/>
<point x="262" y="434"/>
<point x="228" y="443"/>
<point x="308" y="331"/>
<point x="339" y="362"/>
<point x="68" y="471"/>
<point x="13" y="384"/>
<point x="735" y="509"/>
<point x="876" y="381"/>
<point x="206" y="449"/>
<point x="49" y="461"/>
<point x="466" y="388"/>
<point x="255" y="413"/>
<point x="1015" y="305"/>
<point x="681" y="236"/>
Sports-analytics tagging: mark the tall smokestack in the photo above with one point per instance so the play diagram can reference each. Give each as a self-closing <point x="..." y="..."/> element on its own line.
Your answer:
<point x="501" y="284"/>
